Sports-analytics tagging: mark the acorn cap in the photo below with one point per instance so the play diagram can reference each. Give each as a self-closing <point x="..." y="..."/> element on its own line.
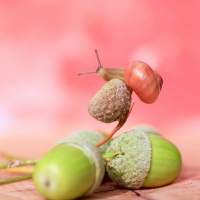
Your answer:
<point x="130" y="168"/>
<point x="91" y="136"/>
<point x="147" y="128"/>
<point x="111" y="103"/>
<point x="70" y="170"/>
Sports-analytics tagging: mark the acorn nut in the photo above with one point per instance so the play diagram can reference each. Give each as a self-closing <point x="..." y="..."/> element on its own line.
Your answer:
<point x="136" y="159"/>
<point x="69" y="170"/>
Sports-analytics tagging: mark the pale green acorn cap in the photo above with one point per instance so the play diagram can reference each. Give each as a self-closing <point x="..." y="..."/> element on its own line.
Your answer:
<point x="91" y="136"/>
<point x="147" y="128"/>
<point x="131" y="167"/>
<point x="96" y="157"/>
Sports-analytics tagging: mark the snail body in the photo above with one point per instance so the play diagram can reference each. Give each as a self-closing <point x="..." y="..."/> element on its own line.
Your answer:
<point x="138" y="75"/>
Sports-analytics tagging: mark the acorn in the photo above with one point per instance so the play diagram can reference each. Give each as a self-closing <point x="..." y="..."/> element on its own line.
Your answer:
<point x="89" y="135"/>
<point x="112" y="102"/>
<point x="69" y="170"/>
<point x="137" y="159"/>
<point x="146" y="127"/>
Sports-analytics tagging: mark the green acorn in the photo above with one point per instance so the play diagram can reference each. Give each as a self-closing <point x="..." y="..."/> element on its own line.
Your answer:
<point x="136" y="159"/>
<point x="91" y="136"/>
<point x="69" y="170"/>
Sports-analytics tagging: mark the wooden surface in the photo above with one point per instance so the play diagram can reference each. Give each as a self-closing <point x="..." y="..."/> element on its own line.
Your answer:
<point x="187" y="187"/>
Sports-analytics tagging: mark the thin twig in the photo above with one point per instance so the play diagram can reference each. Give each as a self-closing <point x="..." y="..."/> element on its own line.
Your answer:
<point x="119" y="125"/>
<point x="17" y="163"/>
<point x="16" y="179"/>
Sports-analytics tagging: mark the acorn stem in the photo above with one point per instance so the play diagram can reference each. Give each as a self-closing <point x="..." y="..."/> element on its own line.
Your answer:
<point x="16" y="179"/>
<point x="14" y="166"/>
<point x="119" y="125"/>
<point x="108" y="156"/>
<point x="21" y="170"/>
<point x="11" y="157"/>
<point x="17" y="163"/>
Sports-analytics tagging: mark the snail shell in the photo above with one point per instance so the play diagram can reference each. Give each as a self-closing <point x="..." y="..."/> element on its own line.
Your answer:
<point x="143" y="80"/>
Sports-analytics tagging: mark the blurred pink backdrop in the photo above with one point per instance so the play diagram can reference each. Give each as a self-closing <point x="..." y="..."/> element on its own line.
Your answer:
<point x="45" y="44"/>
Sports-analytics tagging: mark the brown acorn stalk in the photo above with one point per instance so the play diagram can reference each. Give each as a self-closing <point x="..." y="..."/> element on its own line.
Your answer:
<point x="111" y="103"/>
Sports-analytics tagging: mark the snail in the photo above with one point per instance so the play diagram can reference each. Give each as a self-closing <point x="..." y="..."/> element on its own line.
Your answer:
<point x="138" y="75"/>
<point x="108" y="105"/>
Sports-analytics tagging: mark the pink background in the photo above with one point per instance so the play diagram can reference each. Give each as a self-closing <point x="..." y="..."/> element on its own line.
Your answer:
<point x="45" y="44"/>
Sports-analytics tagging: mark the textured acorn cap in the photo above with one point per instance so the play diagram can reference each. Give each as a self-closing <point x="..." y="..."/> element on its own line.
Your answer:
<point x="131" y="167"/>
<point x="147" y="128"/>
<point x="91" y="136"/>
<point x="111" y="103"/>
